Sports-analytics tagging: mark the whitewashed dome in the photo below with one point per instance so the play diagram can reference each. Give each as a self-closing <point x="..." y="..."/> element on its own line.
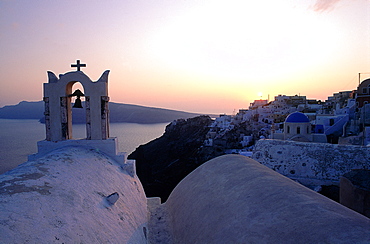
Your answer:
<point x="72" y="195"/>
<point x="235" y="199"/>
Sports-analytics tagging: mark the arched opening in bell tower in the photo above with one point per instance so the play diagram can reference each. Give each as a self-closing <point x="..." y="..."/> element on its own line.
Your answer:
<point x="76" y="110"/>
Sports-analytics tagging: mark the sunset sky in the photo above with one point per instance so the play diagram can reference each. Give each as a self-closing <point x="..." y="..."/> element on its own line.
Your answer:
<point x="193" y="55"/>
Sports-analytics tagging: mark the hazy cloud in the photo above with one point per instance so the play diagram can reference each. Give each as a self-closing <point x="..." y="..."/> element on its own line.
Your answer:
<point x="325" y="5"/>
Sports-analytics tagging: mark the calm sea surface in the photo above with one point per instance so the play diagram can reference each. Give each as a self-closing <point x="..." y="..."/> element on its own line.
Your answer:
<point x="18" y="138"/>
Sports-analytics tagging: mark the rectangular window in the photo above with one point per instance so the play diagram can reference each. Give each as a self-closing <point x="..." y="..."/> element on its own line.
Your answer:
<point x="364" y="90"/>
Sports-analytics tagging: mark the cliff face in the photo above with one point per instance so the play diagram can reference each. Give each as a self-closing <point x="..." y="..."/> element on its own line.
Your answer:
<point x="162" y="163"/>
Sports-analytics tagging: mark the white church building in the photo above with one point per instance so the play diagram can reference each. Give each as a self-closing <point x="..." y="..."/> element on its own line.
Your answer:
<point x="297" y="127"/>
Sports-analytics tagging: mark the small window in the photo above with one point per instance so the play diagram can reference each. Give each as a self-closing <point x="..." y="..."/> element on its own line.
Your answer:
<point x="364" y="90"/>
<point x="331" y="122"/>
<point x="288" y="129"/>
<point x="298" y="130"/>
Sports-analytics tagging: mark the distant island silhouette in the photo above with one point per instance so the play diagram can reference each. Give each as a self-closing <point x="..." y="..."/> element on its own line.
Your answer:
<point x="119" y="113"/>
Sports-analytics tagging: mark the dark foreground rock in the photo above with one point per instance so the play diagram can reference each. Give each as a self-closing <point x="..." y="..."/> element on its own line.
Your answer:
<point x="162" y="163"/>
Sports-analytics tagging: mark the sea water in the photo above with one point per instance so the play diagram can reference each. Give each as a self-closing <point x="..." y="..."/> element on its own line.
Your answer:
<point x="18" y="138"/>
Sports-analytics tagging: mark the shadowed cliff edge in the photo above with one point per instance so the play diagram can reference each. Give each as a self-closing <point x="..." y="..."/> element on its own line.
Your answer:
<point x="163" y="162"/>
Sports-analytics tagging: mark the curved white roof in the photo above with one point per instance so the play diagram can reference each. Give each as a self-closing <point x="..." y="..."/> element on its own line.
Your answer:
<point x="61" y="198"/>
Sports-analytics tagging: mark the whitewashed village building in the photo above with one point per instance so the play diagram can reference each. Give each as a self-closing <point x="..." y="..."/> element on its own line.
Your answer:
<point x="274" y="111"/>
<point x="84" y="191"/>
<point x="224" y="122"/>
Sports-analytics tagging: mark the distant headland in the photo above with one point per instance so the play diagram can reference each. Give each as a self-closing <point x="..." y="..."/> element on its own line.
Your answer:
<point x="119" y="113"/>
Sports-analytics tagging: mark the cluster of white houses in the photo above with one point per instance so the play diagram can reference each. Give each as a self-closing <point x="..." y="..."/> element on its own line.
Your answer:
<point x="343" y="118"/>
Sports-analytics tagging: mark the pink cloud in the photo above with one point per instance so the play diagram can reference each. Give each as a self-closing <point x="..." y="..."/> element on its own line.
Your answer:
<point x="325" y="5"/>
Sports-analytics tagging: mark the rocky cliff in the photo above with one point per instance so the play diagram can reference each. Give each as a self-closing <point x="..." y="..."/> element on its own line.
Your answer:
<point x="162" y="163"/>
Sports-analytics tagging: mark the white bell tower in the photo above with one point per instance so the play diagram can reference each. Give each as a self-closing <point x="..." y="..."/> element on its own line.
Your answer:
<point x="58" y="116"/>
<point x="58" y="109"/>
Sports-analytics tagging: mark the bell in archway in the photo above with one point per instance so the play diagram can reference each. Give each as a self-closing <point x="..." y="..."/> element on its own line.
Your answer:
<point x="78" y="94"/>
<point x="78" y="103"/>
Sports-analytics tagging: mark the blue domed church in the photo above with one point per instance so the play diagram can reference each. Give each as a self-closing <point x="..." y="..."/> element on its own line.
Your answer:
<point x="297" y="127"/>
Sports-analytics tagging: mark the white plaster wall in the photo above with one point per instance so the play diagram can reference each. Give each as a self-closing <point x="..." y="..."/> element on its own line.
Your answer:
<point x="234" y="199"/>
<point x="109" y="147"/>
<point x="60" y="198"/>
<point x="318" y="161"/>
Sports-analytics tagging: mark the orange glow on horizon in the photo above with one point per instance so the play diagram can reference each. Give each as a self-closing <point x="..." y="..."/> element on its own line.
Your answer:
<point x="197" y="56"/>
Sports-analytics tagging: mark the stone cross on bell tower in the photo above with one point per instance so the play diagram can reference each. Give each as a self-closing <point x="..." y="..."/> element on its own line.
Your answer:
<point x="58" y="109"/>
<point x="78" y="65"/>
